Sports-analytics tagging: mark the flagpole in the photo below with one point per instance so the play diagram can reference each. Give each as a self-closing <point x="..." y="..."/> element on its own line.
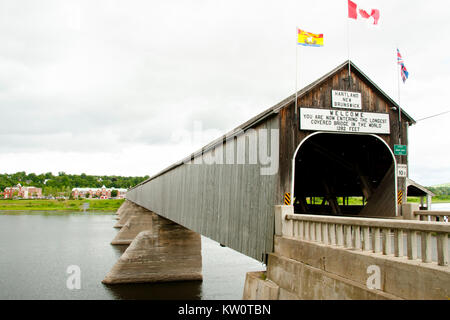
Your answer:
<point x="399" y="107"/>
<point x="296" y="70"/>
<point x="348" y="51"/>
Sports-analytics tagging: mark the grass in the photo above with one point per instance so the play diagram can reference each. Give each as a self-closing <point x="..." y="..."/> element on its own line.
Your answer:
<point x="56" y="205"/>
<point x="352" y="201"/>
<point x="358" y="200"/>
<point x="113" y="205"/>
<point x="435" y="199"/>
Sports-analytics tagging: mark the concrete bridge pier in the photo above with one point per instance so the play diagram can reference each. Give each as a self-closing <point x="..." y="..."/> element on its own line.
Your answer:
<point x="165" y="251"/>
<point x="126" y="210"/>
<point x="134" y="225"/>
<point x="123" y="208"/>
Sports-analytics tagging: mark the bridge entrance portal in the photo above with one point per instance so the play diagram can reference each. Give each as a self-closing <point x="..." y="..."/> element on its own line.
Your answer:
<point x="344" y="174"/>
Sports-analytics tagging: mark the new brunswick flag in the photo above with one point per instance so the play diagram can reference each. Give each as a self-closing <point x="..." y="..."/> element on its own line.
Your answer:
<point x="309" y="39"/>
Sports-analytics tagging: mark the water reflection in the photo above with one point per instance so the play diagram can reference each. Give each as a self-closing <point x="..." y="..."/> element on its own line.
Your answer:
<point x="189" y="290"/>
<point x="36" y="247"/>
<point x="186" y="290"/>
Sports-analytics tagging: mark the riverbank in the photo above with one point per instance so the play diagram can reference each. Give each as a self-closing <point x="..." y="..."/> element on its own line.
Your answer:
<point x="436" y="199"/>
<point x="358" y="200"/>
<point x="61" y="205"/>
<point x="114" y="204"/>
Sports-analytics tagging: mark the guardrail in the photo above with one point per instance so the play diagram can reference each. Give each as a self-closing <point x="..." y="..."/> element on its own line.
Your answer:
<point x="425" y="215"/>
<point x="368" y="234"/>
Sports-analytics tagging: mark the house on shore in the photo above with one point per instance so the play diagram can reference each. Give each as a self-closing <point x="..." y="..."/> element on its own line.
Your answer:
<point x="101" y="193"/>
<point x="22" y="192"/>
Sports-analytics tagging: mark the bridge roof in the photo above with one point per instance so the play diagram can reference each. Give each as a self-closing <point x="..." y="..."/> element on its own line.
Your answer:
<point x="276" y="108"/>
<point x="415" y="189"/>
<point x="322" y="79"/>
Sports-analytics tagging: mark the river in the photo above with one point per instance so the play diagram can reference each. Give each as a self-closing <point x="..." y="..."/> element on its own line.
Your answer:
<point x="36" y="247"/>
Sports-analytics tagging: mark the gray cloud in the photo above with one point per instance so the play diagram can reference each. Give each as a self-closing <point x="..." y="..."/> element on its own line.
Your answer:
<point x="89" y="76"/>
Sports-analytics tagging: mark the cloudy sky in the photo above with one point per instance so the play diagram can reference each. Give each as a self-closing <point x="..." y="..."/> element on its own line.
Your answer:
<point x="119" y="87"/>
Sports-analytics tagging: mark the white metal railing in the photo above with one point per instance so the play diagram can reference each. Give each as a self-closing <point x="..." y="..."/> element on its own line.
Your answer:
<point x="425" y="215"/>
<point x="374" y="235"/>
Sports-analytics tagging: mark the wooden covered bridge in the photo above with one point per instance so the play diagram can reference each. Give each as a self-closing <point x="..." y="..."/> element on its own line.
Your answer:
<point x="332" y="142"/>
<point x="233" y="203"/>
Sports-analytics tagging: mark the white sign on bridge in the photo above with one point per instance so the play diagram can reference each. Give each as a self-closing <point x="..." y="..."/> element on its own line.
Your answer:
<point x="344" y="121"/>
<point x="346" y="99"/>
<point x="402" y="170"/>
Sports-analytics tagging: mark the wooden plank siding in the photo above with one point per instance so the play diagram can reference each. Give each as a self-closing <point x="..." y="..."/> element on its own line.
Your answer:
<point x="231" y="204"/>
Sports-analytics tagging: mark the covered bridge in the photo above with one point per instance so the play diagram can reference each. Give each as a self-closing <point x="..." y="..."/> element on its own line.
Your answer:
<point x="333" y="145"/>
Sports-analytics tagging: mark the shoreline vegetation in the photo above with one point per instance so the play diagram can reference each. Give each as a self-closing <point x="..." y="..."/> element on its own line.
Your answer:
<point x="114" y="204"/>
<point x="435" y="199"/>
<point x="61" y="205"/>
<point x="62" y="184"/>
<point x="357" y="201"/>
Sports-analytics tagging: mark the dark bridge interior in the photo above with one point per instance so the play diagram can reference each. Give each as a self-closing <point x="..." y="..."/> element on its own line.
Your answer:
<point x="344" y="174"/>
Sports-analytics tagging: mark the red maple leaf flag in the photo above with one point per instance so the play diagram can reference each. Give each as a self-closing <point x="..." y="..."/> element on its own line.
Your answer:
<point x="353" y="12"/>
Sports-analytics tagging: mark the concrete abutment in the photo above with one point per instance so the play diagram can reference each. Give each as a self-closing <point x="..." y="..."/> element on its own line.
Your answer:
<point x="310" y="263"/>
<point x="160" y="250"/>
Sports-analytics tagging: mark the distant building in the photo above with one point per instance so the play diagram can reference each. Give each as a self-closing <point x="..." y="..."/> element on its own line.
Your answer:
<point x="22" y="192"/>
<point x="102" y="193"/>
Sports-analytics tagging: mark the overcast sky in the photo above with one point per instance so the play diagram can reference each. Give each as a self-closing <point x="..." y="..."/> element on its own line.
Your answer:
<point x="118" y="87"/>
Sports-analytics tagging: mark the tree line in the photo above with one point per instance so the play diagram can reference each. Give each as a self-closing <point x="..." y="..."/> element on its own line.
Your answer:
<point x="63" y="183"/>
<point x="440" y="190"/>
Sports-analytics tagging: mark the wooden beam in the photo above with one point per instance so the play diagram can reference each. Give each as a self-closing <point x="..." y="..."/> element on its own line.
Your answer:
<point x="303" y="204"/>
<point x="333" y="156"/>
<point x="366" y="185"/>
<point x="331" y="198"/>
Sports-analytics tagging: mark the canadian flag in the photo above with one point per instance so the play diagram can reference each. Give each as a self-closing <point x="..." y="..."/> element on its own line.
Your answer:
<point x="353" y="12"/>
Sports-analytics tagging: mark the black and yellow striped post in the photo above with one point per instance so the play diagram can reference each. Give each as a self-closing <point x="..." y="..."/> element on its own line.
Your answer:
<point x="400" y="197"/>
<point x="287" y="199"/>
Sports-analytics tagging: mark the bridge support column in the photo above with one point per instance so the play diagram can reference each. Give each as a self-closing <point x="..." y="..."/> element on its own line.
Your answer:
<point x="165" y="252"/>
<point x="134" y="225"/>
<point x="141" y="219"/>
<point x="126" y="211"/>
<point x="124" y="207"/>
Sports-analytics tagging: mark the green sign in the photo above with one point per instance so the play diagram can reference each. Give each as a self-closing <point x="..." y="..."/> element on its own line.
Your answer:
<point x="399" y="149"/>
